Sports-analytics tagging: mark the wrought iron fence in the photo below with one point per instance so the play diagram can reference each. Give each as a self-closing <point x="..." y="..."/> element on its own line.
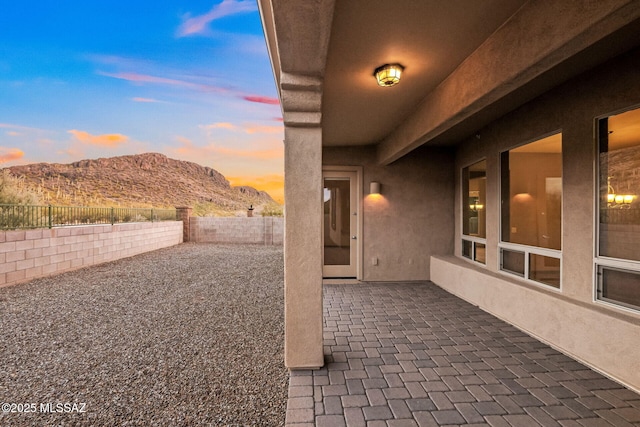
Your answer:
<point x="27" y="216"/>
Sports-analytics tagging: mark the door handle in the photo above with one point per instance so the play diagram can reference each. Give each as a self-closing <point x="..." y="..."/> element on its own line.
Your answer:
<point x="353" y="237"/>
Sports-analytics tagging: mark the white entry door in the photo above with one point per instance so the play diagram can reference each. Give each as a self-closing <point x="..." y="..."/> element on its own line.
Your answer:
<point x="340" y="225"/>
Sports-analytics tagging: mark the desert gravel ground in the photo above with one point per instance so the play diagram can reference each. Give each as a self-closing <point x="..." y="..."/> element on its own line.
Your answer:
<point x="184" y="336"/>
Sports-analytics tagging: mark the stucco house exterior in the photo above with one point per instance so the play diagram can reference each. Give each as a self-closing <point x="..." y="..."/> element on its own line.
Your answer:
<point x="504" y="166"/>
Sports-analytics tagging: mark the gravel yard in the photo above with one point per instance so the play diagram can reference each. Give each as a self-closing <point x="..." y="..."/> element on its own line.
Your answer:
<point x="189" y="335"/>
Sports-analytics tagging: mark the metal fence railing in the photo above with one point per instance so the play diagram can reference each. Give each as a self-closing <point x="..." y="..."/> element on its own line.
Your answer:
<point x="14" y="217"/>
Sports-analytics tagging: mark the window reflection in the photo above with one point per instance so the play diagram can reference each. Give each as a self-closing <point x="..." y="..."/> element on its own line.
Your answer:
<point x="474" y="201"/>
<point x="619" y="213"/>
<point x="531" y="185"/>
<point x="474" y="182"/>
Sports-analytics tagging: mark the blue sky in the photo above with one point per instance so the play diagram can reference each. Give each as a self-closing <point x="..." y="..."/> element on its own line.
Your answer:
<point x="191" y="80"/>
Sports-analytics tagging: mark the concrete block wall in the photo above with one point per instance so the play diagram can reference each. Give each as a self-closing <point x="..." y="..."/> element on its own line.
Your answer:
<point x="29" y="254"/>
<point x="257" y="230"/>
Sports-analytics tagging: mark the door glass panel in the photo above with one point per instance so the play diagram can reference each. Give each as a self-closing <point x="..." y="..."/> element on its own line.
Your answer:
<point x="337" y="219"/>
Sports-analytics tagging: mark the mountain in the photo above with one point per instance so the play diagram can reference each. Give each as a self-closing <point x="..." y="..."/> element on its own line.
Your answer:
<point x="141" y="180"/>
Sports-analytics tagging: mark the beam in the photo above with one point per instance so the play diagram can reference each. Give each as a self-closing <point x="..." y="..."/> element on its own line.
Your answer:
<point x="540" y="36"/>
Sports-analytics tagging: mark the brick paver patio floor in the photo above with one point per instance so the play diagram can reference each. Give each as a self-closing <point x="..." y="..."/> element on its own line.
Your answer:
<point x="415" y="355"/>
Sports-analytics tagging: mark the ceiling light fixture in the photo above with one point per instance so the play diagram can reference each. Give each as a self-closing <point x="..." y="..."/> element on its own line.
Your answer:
<point x="388" y="75"/>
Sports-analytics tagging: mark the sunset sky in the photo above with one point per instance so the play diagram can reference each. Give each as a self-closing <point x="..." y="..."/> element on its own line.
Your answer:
<point x="191" y="80"/>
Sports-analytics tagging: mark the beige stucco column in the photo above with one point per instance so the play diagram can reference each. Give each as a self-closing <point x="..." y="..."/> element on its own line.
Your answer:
<point x="297" y="34"/>
<point x="302" y="248"/>
<point x="301" y="98"/>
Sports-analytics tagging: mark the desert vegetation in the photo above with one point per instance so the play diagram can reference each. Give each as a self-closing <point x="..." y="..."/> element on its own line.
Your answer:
<point x="16" y="191"/>
<point x="149" y="180"/>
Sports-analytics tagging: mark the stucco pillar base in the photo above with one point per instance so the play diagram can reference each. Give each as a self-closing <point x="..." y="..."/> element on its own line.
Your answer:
<point x="183" y="214"/>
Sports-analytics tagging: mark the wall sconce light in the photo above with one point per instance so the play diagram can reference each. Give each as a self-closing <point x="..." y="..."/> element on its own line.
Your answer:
<point x="374" y="187"/>
<point x="388" y="75"/>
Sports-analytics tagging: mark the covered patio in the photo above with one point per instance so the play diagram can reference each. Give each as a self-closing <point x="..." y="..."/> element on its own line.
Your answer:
<point x="412" y="354"/>
<point x="491" y="148"/>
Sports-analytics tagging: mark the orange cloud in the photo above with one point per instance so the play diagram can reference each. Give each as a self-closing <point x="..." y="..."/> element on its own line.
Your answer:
<point x="247" y="128"/>
<point x="183" y="140"/>
<point x="10" y="154"/>
<point x="252" y="154"/>
<point x="264" y="129"/>
<point x="106" y="140"/>
<point x="272" y="184"/>
<point x="262" y="99"/>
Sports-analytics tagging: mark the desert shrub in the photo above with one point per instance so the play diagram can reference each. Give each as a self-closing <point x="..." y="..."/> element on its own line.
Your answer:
<point x="15" y="191"/>
<point x="272" y="210"/>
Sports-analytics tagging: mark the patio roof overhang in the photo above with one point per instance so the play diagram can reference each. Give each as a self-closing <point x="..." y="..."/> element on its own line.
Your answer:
<point x="467" y="63"/>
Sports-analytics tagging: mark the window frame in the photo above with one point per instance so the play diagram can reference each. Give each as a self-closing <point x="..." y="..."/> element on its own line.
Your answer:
<point x="474" y="240"/>
<point x="528" y="250"/>
<point x="603" y="261"/>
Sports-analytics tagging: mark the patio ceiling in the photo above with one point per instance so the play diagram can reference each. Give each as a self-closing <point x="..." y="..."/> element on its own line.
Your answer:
<point x="429" y="38"/>
<point x="466" y="62"/>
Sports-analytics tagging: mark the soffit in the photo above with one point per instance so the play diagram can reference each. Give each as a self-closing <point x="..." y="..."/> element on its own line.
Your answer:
<point x="431" y="38"/>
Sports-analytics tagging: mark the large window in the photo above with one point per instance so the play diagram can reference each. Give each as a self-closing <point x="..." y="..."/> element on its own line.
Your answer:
<point x="618" y="257"/>
<point x="474" y="233"/>
<point x="531" y="210"/>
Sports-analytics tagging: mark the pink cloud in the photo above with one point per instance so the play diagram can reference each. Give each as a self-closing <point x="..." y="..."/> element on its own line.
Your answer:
<point x="199" y="24"/>
<point x="146" y="78"/>
<point x="10" y="154"/>
<point x="138" y="99"/>
<point x="106" y="140"/>
<point x="19" y="128"/>
<point x="262" y="99"/>
<point x="219" y="125"/>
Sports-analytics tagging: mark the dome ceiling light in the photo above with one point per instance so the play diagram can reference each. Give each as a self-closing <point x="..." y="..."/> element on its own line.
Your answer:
<point x="388" y="75"/>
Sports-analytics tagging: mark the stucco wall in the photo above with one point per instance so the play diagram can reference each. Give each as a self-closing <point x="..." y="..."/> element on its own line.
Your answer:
<point x="257" y="230"/>
<point x="411" y="219"/>
<point x="28" y="254"/>
<point x="570" y="319"/>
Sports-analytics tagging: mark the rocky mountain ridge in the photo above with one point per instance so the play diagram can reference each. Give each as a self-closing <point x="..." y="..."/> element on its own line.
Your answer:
<point x="141" y="180"/>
